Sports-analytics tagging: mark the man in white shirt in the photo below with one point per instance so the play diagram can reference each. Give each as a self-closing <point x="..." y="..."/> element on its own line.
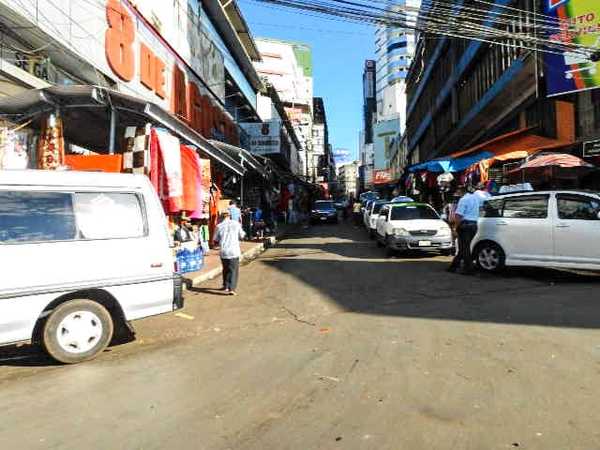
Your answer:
<point x="228" y="235"/>
<point x="466" y="217"/>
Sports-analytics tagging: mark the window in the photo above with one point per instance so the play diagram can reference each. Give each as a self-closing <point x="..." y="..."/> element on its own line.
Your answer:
<point x="108" y="215"/>
<point x="413" y="212"/>
<point x="529" y="207"/>
<point x="577" y="207"/>
<point x="383" y="212"/>
<point x="36" y="217"/>
<point x="492" y="208"/>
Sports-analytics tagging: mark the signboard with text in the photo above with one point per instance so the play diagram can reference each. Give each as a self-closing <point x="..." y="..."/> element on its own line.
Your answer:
<point x="382" y="176"/>
<point x="265" y="137"/>
<point x="573" y="71"/>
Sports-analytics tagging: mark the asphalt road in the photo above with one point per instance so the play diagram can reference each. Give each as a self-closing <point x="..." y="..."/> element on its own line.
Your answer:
<point x="332" y="346"/>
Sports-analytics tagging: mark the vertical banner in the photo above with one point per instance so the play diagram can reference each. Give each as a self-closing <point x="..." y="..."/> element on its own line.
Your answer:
<point x="573" y="71"/>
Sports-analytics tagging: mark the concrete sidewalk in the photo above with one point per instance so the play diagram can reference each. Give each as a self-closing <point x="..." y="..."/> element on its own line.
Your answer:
<point x="212" y="262"/>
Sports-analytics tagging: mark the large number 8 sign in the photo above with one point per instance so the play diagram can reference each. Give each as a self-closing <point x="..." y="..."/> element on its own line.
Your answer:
<point x="119" y="40"/>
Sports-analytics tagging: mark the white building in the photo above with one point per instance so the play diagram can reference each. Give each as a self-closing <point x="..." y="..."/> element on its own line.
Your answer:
<point x="347" y="178"/>
<point x="394" y="48"/>
<point x="288" y="67"/>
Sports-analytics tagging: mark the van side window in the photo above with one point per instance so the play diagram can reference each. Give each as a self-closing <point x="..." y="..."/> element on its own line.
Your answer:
<point x="527" y="207"/>
<point x="36" y="217"/>
<point x="108" y="215"/>
<point x="577" y="207"/>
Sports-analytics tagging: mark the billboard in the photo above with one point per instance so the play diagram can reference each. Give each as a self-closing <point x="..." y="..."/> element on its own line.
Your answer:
<point x="573" y="71"/>
<point x="382" y="176"/>
<point x="265" y="137"/>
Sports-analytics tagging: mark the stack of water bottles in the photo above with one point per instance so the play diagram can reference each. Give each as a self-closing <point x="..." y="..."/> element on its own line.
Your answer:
<point x="189" y="260"/>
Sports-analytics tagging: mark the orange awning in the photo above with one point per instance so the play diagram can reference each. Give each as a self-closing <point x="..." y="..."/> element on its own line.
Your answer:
<point x="514" y="145"/>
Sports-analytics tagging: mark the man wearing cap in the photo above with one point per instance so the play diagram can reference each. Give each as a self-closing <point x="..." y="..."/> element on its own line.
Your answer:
<point x="228" y="235"/>
<point x="465" y="219"/>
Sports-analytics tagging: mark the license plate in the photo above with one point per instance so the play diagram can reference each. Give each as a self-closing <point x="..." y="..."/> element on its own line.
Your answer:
<point x="323" y="218"/>
<point x="424" y="243"/>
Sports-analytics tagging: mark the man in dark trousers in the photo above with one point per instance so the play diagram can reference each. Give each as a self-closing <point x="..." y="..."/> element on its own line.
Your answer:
<point x="228" y="235"/>
<point x="466" y="216"/>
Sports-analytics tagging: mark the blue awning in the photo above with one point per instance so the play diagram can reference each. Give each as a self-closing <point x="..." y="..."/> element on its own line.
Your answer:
<point x="450" y="164"/>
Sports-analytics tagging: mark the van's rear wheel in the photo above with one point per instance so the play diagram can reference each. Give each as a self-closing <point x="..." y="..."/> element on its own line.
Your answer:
<point x="77" y="330"/>
<point x="490" y="257"/>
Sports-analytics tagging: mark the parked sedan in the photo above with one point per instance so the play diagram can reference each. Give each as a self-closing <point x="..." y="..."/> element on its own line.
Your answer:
<point x="324" y="211"/>
<point x="545" y="229"/>
<point x="371" y="214"/>
<point x="412" y="226"/>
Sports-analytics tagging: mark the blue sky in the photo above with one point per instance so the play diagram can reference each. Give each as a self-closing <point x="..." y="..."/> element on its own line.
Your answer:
<point x="339" y="50"/>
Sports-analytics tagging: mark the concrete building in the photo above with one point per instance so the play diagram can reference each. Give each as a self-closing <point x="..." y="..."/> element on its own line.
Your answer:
<point x="348" y="179"/>
<point x="323" y="167"/>
<point x="394" y="49"/>
<point x="287" y="66"/>
<point x="274" y="136"/>
<point x="467" y="96"/>
<point x="194" y="59"/>
<point x="366" y="149"/>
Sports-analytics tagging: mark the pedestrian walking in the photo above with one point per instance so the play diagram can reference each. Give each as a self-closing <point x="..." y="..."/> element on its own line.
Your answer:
<point x="356" y="209"/>
<point x="465" y="219"/>
<point x="228" y="235"/>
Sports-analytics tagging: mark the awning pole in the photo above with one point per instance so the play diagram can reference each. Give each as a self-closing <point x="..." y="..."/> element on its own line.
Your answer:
<point x="113" y="131"/>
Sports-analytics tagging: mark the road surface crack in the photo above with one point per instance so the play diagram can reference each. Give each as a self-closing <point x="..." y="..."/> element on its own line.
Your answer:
<point x="297" y="318"/>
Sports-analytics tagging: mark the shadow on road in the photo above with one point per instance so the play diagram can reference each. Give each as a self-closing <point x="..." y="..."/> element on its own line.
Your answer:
<point x="417" y="285"/>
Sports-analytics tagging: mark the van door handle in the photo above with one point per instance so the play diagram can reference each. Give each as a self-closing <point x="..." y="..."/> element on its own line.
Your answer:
<point x="155" y="265"/>
<point x="562" y="225"/>
<point x="502" y="223"/>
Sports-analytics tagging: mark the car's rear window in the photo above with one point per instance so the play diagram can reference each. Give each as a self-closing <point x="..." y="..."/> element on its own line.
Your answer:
<point x="413" y="212"/>
<point x="324" y="205"/>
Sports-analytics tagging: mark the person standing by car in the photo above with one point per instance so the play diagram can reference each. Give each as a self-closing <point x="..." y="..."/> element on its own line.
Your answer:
<point x="465" y="223"/>
<point x="228" y="236"/>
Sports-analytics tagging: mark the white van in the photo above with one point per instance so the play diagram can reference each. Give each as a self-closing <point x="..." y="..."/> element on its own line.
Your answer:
<point x="81" y="253"/>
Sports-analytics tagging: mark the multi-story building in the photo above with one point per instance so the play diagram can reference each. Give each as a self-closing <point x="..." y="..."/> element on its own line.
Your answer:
<point x="322" y="165"/>
<point x="394" y="48"/>
<point x="366" y="150"/>
<point x="348" y="179"/>
<point x="467" y="96"/>
<point x="288" y="67"/>
<point x="274" y="136"/>
<point x="193" y="59"/>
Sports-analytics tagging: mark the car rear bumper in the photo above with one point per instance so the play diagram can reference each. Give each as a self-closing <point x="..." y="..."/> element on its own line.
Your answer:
<point x="424" y="243"/>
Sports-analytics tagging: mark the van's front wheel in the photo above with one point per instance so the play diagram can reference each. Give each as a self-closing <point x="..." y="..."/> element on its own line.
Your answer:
<point x="77" y="330"/>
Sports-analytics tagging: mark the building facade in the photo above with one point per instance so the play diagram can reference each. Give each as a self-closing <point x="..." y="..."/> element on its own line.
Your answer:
<point x="348" y="179"/>
<point x="322" y="165"/>
<point x="366" y="150"/>
<point x="287" y="66"/>
<point x="465" y="93"/>
<point x="188" y="57"/>
<point x="394" y="49"/>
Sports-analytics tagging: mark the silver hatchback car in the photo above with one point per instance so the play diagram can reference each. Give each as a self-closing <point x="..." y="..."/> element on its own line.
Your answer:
<point x="545" y="229"/>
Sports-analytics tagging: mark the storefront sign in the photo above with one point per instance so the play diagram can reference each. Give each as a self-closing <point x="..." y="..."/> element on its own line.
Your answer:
<point x="573" y="71"/>
<point x="265" y="138"/>
<point x="382" y="176"/>
<point x="591" y="149"/>
<point x="140" y="57"/>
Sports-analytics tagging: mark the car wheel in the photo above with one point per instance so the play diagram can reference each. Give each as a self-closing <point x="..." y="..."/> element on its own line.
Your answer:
<point x="76" y="331"/>
<point x="490" y="257"/>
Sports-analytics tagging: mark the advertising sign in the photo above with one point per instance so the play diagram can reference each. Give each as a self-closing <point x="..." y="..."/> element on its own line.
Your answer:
<point x="382" y="176"/>
<point x="265" y="138"/>
<point x="573" y="71"/>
